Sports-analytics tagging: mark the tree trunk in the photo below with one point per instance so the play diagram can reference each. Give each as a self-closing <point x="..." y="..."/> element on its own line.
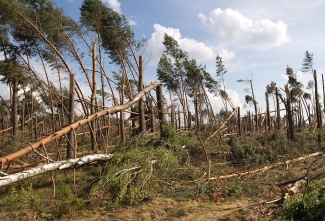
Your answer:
<point x="255" y="106"/>
<point x="318" y="113"/>
<point x="268" y="117"/>
<point x="93" y="130"/>
<point x="160" y="105"/>
<point x="142" y="121"/>
<point x="71" y="142"/>
<point x="278" y="117"/>
<point x="88" y="119"/>
<point x="14" y="111"/>
<point x="239" y="122"/>
<point x="289" y="115"/>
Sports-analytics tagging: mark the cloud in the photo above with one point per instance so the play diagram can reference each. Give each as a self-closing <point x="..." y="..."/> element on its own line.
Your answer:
<point x="115" y="5"/>
<point x="226" y="55"/>
<point x="217" y="103"/>
<point x="233" y="27"/>
<point x="197" y="50"/>
<point x="132" y="21"/>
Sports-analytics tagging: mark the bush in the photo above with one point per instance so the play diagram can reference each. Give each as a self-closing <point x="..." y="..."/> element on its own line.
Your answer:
<point x="311" y="208"/>
<point x="136" y="164"/>
<point x="259" y="148"/>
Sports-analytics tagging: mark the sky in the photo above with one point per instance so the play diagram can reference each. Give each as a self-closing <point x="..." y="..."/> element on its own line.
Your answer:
<point x="256" y="39"/>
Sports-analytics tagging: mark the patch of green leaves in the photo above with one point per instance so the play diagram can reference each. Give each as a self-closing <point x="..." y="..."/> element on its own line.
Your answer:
<point x="311" y="208"/>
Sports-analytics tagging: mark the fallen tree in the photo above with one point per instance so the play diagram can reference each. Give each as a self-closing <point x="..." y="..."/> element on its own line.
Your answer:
<point x="264" y="168"/>
<point x="64" y="164"/>
<point x="65" y="130"/>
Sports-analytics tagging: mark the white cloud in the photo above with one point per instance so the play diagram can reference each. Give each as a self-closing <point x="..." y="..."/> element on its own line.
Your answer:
<point x="226" y="55"/>
<point x="197" y="50"/>
<point x="115" y="5"/>
<point x="132" y="22"/>
<point x="217" y="103"/>
<point x="233" y="28"/>
<point x="203" y="18"/>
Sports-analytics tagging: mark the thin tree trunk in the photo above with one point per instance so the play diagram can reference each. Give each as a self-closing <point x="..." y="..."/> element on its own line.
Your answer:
<point x="71" y="142"/>
<point x="255" y="106"/>
<point x="160" y="105"/>
<point x="93" y="130"/>
<point x="268" y="117"/>
<point x="318" y="114"/>
<point x="278" y="117"/>
<point x="142" y="121"/>
<point x="239" y="122"/>
<point x="289" y="115"/>
<point x="15" y="108"/>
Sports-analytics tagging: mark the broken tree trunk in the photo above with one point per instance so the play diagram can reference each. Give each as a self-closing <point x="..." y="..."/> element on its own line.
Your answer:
<point x="77" y="124"/>
<point x="264" y="168"/>
<point x="224" y="123"/>
<point x="64" y="164"/>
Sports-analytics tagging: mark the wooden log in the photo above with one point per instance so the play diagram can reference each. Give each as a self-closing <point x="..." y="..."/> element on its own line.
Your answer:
<point x="6" y="180"/>
<point x="264" y="168"/>
<point x="224" y="123"/>
<point x="77" y="124"/>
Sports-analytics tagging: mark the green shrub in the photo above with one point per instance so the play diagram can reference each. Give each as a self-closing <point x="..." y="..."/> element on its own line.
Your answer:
<point x="311" y="208"/>
<point x="259" y="148"/>
<point x="136" y="164"/>
<point x="68" y="202"/>
<point x="23" y="199"/>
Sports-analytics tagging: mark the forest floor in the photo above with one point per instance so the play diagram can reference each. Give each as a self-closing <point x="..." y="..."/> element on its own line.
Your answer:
<point x="188" y="193"/>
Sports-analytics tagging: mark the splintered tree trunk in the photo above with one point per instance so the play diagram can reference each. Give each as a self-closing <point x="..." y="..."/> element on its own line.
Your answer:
<point x="289" y="115"/>
<point x="152" y="114"/>
<point x="238" y="122"/>
<point x="160" y="105"/>
<point x="278" y="117"/>
<point x="318" y="114"/>
<point x="71" y="141"/>
<point x="268" y="111"/>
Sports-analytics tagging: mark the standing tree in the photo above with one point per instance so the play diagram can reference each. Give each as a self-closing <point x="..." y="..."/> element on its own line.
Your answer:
<point x="250" y="99"/>
<point x="308" y="63"/>
<point x="170" y="70"/>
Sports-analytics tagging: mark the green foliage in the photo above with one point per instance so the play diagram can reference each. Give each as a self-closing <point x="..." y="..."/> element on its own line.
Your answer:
<point x="235" y="190"/>
<point x="68" y="202"/>
<point x="311" y="208"/>
<point x="270" y="88"/>
<point x="260" y="149"/>
<point x="23" y="199"/>
<point x="136" y="164"/>
<point x="114" y="30"/>
<point x="307" y="65"/>
<point x="221" y="70"/>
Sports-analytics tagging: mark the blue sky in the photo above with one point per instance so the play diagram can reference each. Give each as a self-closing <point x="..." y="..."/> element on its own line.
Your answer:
<point x="257" y="39"/>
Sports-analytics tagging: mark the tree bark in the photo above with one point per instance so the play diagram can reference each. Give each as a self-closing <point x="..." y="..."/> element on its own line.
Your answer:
<point x="278" y="117"/>
<point x="6" y="180"/>
<point x="14" y="111"/>
<point x="289" y="114"/>
<point x="71" y="141"/>
<point x="318" y="114"/>
<point x="142" y="121"/>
